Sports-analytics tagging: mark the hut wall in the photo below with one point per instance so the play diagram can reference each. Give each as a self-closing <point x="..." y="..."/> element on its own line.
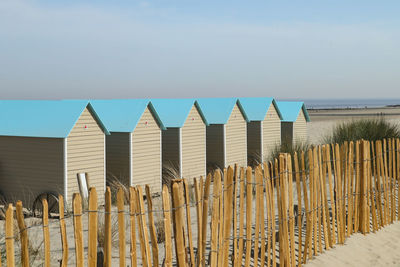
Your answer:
<point x="194" y="145"/>
<point x="117" y="156"/>
<point x="236" y="139"/>
<point x="300" y="128"/>
<point x="86" y="153"/>
<point x="215" y="145"/>
<point x="146" y="152"/>
<point x="30" y="166"/>
<point x="271" y="131"/>
<point x="254" y="140"/>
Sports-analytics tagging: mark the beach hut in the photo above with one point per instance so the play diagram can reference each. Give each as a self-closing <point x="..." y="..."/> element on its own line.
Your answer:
<point x="226" y="133"/>
<point x="50" y="147"/>
<point x="263" y="128"/>
<point x="184" y="139"/>
<point x="133" y="150"/>
<point x="294" y="121"/>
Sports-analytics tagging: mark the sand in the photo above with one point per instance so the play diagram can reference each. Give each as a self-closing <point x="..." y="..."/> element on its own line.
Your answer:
<point x="375" y="249"/>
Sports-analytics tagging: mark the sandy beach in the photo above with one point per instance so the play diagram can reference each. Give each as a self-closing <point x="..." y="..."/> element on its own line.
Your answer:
<point x="323" y="120"/>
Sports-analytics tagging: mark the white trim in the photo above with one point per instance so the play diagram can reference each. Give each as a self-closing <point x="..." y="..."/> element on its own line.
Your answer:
<point x="262" y="140"/>
<point x="180" y="153"/>
<point x="205" y="151"/>
<point x="224" y="141"/>
<point x="130" y="160"/>
<point x="245" y="140"/>
<point x="65" y="166"/>
<point x="104" y="166"/>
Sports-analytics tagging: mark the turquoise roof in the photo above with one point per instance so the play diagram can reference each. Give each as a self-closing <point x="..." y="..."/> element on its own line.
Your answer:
<point x="256" y="108"/>
<point x="174" y="112"/>
<point x="123" y="115"/>
<point x="290" y="110"/>
<point x="42" y="118"/>
<point x="218" y="110"/>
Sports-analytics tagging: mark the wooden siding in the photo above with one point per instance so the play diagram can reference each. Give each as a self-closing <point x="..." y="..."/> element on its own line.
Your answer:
<point x="170" y="147"/>
<point x="117" y="157"/>
<point x="254" y="140"/>
<point x="194" y="145"/>
<point x="271" y="131"/>
<point x="300" y="128"/>
<point x="236" y="140"/>
<point x="85" y="153"/>
<point x="30" y="166"/>
<point x="287" y="132"/>
<point x="146" y="152"/>
<point x="215" y="145"/>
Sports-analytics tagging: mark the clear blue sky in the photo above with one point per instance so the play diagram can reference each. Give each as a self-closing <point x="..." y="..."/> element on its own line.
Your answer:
<point x="118" y="49"/>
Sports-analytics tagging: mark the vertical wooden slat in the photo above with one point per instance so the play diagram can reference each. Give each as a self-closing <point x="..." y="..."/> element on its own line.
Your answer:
<point x="324" y="203"/>
<point x="10" y="260"/>
<point x="398" y="177"/>
<point x="385" y="179"/>
<point x="262" y="217"/>
<point x="221" y="194"/>
<point x="121" y="226"/>
<point x="23" y="235"/>
<point x="249" y="211"/>
<point x="274" y="183"/>
<point x="179" y="225"/>
<point x="215" y="219"/>
<point x="291" y="210"/>
<point x="338" y="195"/>
<point x="317" y="191"/>
<point x="132" y="220"/>
<point x="284" y="208"/>
<point x="63" y="232"/>
<point x="78" y="231"/>
<point x="46" y="233"/>
<point x="205" y="217"/>
<point x="167" y="226"/>
<point x="331" y="195"/>
<point x="313" y="229"/>
<point x="270" y="219"/>
<point x="228" y="181"/>
<point x="348" y="189"/>
<point x="390" y="179"/>
<point x="239" y="258"/>
<point x="143" y="231"/>
<point x="152" y="227"/>
<point x="92" y="246"/>
<point x="299" y="209"/>
<point x="307" y="246"/>
<point x="255" y="246"/>
<point x="107" y="228"/>
<point x="199" y="209"/>
<point x="393" y="180"/>
<point x="189" y="223"/>
<point x="234" y="226"/>
<point x="373" y="195"/>
<point x="280" y="214"/>
<point x="325" y="193"/>
<point x="357" y="188"/>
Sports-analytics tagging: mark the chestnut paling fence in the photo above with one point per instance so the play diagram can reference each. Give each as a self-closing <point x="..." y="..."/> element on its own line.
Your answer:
<point x="282" y="213"/>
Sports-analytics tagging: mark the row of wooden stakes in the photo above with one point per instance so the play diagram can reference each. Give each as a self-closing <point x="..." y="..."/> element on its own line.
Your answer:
<point x="256" y="214"/>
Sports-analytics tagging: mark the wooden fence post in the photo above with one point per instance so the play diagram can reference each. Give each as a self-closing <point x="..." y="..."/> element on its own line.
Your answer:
<point x="46" y="233"/>
<point x="204" y="218"/>
<point x="10" y="236"/>
<point x="179" y="226"/>
<point x="228" y="188"/>
<point x="239" y="256"/>
<point x="132" y="219"/>
<point x="270" y="217"/>
<point x="189" y="222"/>
<point x="167" y="226"/>
<point x="152" y="227"/>
<point x="289" y="179"/>
<point x="215" y="219"/>
<point x="249" y="211"/>
<point x="299" y="209"/>
<point x="107" y="228"/>
<point x="263" y="213"/>
<point x="308" y="207"/>
<point x="257" y="215"/>
<point x="78" y="231"/>
<point x="199" y="208"/>
<point x="274" y="182"/>
<point x="234" y="226"/>
<point x="324" y="202"/>
<point x="92" y="244"/>
<point x="23" y="235"/>
<point x="63" y="232"/>
<point x="121" y="226"/>
<point x="144" y="237"/>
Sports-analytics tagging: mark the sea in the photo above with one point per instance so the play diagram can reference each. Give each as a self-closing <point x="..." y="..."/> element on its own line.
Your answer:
<point x="349" y="103"/>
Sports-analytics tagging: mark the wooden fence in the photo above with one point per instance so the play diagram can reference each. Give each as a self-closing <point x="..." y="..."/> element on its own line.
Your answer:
<point x="279" y="213"/>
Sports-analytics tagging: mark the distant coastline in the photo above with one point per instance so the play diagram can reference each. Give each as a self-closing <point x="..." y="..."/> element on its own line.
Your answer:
<point x="350" y="104"/>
